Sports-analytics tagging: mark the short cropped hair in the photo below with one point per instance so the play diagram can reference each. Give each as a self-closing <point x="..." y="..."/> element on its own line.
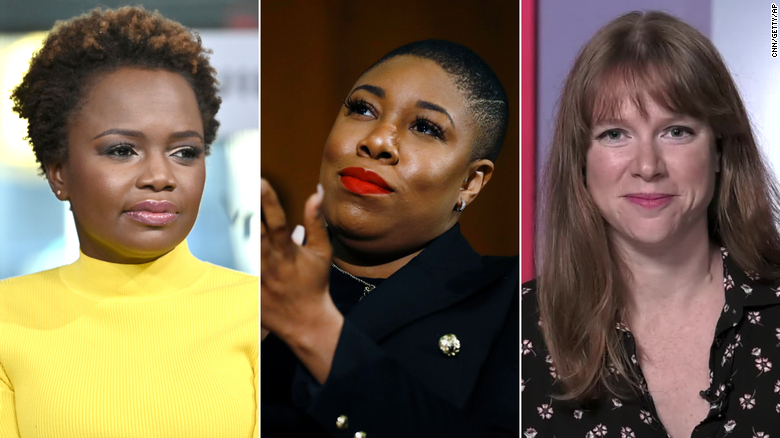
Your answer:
<point x="485" y="95"/>
<point x="78" y="50"/>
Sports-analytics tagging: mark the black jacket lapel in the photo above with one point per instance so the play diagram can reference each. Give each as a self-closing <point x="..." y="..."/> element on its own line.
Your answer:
<point x="444" y="273"/>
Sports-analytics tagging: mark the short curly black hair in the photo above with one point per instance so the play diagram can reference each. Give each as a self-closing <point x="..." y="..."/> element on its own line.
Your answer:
<point x="485" y="95"/>
<point x="101" y="41"/>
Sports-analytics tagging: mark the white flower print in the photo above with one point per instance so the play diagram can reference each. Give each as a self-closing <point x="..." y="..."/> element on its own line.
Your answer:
<point x="622" y="327"/>
<point x="763" y="364"/>
<point x="760" y="434"/>
<point x="747" y="289"/>
<point x="728" y="283"/>
<point x="611" y="368"/>
<point x="720" y="390"/>
<point x="578" y="414"/>
<point x="528" y="347"/>
<point x="545" y="411"/>
<point x="754" y="318"/>
<point x="727" y="355"/>
<point x="524" y="291"/>
<point x="553" y="372"/>
<point x="645" y="416"/>
<point x="616" y="403"/>
<point x="777" y="335"/>
<point x="737" y="341"/>
<point x="724" y="252"/>
<point x="600" y="430"/>
<point x="747" y="401"/>
<point x="755" y="352"/>
<point x="548" y="359"/>
<point x="711" y="377"/>
<point x="633" y="359"/>
<point x="777" y="291"/>
<point x="725" y="308"/>
<point x="730" y="426"/>
<point x="777" y="408"/>
<point x="522" y="385"/>
<point x="626" y="432"/>
<point x="589" y="435"/>
<point x="529" y="433"/>
<point x="777" y="386"/>
<point x="752" y="275"/>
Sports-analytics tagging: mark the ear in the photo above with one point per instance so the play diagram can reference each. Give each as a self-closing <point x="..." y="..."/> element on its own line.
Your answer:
<point x="480" y="172"/>
<point x="55" y="176"/>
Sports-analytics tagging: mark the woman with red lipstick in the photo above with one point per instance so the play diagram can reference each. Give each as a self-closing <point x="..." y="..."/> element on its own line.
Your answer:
<point x="655" y="310"/>
<point x="137" y="337"/>
<point x="387" y="323"/>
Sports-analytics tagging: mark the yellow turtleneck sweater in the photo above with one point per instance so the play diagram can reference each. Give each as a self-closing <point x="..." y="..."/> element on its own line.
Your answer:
<point x="162" y="349"/>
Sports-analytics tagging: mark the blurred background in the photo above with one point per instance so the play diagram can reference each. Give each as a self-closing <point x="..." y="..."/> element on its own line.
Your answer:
<point x="555" y="30"/>
<point x="37" y="231"/>
<point x="312" y="52"/>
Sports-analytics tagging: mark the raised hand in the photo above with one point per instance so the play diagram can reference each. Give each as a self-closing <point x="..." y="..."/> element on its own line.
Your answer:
<point x="295" y="302"/>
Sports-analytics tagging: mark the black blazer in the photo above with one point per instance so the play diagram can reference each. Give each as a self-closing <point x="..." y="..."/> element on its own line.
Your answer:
<point x="390" y="378"/>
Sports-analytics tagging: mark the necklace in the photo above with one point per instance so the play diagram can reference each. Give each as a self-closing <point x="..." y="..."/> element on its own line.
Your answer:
<point x="368" y="286"/>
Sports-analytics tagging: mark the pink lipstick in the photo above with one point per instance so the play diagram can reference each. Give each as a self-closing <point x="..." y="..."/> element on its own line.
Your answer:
<point x="649" y="200"/>
<point x="153" y="213"/>
<point x="363" y="181"/>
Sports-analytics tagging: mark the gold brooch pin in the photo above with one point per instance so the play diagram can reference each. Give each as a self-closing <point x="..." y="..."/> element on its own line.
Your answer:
<point x="449" y="345"/>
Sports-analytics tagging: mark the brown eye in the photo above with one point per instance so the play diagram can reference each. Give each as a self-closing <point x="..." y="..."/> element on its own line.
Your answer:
<point x="427" y="127"/>
<point x="122" y="150"/>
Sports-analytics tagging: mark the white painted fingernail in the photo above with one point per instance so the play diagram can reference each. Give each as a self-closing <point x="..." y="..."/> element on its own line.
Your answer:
<point x="298" y="234"/>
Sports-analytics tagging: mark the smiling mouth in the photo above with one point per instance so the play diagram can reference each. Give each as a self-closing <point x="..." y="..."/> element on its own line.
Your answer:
<point x="363" y="181"/>
<point x="649" y="200"/>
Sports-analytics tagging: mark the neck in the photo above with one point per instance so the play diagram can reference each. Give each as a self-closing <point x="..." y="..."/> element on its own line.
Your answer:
<point x="369" y="265"/>
<point x="671" y="275"/>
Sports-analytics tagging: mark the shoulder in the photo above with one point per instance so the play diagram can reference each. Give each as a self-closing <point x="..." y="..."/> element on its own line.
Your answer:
<point x="30" y="282"/>
<point x="219" y="276"/>
<point x="19" y="294"/>
<point x="538" y="372"/>
<point x="529" y="300"/>
<point x="506" y="269"/>
<point x="531" y="321"/>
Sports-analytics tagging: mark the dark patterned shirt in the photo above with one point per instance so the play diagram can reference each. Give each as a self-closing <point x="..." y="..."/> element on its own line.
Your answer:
<point x="744" y="391"/>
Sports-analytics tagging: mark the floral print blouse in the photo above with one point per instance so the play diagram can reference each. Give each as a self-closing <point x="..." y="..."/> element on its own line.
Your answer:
<point x="744" y="391"/>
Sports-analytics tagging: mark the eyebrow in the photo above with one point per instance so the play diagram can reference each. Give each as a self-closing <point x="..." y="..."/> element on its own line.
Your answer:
<point x="133" y="133"/>
<point x="380" y="92"/>
<point x="373" y="89"/>
<point x="432" y="106"/>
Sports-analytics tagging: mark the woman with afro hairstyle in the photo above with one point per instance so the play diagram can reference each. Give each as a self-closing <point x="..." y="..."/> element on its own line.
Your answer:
<point x="137" y="337"/>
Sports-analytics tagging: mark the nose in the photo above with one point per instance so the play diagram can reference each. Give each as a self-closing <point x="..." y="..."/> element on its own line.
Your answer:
<point x="380" y="144"/>
<point x="156" y="173"/>
<point x="648" y="162"/>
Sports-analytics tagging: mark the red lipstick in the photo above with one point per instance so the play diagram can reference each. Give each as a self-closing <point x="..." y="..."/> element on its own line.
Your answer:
<point x="153" y="213"/>
<point x="363" y="181"/>
<point x="649" y="200"/>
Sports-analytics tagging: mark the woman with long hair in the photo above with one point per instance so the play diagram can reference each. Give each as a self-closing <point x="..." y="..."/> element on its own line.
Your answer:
<point x="655" y="308"/>
<point x="385" y="322"/>
<point x="137" y="337"/>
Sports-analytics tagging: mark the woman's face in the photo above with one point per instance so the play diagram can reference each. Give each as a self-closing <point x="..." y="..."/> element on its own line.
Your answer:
<point x="652" y="178"/>
<point x="135" y="170"/>
<point x="397" y="157"/>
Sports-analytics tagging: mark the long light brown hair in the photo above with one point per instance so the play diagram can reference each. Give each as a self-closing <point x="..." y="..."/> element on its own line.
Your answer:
<point x="582" y="280"/>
